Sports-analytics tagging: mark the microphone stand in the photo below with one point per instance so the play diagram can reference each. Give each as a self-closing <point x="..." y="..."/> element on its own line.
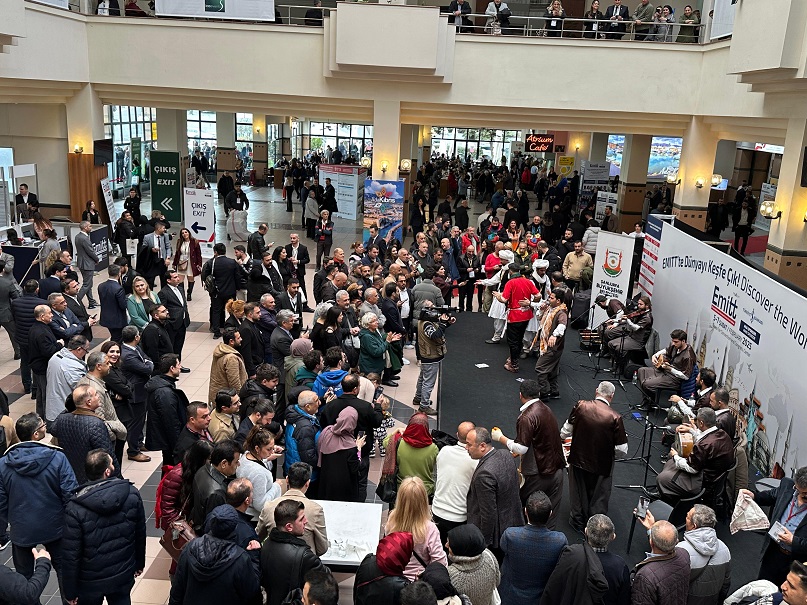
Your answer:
<point x="590" y="312"/>
<point x="597" y="369"/>
<point x="649" y="427"/>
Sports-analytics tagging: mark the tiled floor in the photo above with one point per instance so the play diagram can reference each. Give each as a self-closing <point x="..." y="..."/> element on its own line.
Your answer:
<point x="153" y="586"/>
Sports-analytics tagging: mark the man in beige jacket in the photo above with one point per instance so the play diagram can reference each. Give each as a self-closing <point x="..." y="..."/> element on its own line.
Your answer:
<point x="227" y="370"/>
<point x="316" y="536"/>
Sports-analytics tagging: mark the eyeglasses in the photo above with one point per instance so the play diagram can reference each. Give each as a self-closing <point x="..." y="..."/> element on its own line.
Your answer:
<point x="41" y="427"/>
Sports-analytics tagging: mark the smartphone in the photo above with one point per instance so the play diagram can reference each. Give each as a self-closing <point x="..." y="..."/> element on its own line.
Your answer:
<point x="360" y="434"/>
<point x="641" y="508"/>
<point x="93" y="316"/>
<point x="379" y="390"/>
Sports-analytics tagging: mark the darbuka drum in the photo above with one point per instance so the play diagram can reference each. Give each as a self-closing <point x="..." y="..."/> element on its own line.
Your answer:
<point x="684" y="442"/>
<point x="590" y="339"/>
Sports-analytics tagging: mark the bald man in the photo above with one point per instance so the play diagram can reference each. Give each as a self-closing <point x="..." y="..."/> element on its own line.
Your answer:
<point x="454" y="471"/>
<point x="665" y="566"/>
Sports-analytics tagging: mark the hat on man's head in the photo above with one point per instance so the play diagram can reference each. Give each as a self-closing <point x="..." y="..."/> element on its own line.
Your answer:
<point x="506" y="256"/>
<point x="466" y="541"/>
<point x="540" y="264"/>
<point x="393" y="552"/>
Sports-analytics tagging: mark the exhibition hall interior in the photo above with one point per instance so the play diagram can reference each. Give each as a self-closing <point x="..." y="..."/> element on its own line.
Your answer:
<point x="687" y="121"/>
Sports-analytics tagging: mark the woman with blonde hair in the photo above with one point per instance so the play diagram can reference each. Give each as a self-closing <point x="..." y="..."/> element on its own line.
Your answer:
<point x="139" y="303"/>
<point x="235" y="310"/>
<point x="412" y="514"/>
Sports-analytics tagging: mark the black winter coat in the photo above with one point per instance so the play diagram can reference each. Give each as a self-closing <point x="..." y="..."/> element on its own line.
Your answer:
<point x="14" y="588"/>
<point x="213" y="571"/>
<point x="42" y="346"/>
<point x="104" y="541"/>
<point x="167" y="413"/>
<point x="279" y="556"/>
<point x="155" y="341"/>
<point x="22" y="309"/>
<point x="79" y="433"/>
<point x="368" y="590"/>
<point x="259" y="284"/>
<point x="208" y="492"/>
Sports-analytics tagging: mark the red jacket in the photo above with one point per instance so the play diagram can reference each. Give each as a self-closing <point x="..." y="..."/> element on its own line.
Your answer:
<point x="168" y="507"/>
<point x="195" y="256"/>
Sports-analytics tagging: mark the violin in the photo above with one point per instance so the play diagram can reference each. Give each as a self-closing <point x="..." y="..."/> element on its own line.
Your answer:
<point x="636" y="314"/>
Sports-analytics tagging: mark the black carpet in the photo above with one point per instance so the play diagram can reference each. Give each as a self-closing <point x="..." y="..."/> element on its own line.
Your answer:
<point x="489" y="397"/>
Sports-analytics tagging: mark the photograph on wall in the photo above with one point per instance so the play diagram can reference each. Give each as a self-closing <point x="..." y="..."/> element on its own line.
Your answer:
<point x="665" y="155"/>
<point x="383" y="206"/>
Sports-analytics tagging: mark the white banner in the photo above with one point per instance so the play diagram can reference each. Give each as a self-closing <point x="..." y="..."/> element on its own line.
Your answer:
<point x="190" y="177"/>
<point x="751" y="331"/>
<point x="612" y="270"/>
<point x="106" y="188"/>
<point x="651" y="250"/>
<point x="199" y="209"/>
<point x="349" y="184"/>
<point x="243" y="10"/>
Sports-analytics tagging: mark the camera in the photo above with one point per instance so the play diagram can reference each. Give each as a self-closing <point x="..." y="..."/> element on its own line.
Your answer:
<point x="434" y="313"/>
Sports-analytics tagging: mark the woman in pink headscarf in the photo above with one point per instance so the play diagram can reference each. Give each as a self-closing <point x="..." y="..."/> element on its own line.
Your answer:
<point x="339" y="459"/>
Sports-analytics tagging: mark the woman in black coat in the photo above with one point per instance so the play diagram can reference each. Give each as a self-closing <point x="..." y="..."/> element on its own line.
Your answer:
<point x="119" y="389"/>
<point x="91" y="214"/>
<point x="338" y="458"/>
<point x="417" y="217"/>
<point x="591" y="29"/>
<point x="280" y="260"/>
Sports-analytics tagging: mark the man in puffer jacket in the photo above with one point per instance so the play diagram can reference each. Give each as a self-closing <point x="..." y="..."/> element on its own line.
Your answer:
<point x="104" y="542"/>
<point x="332" y="377"/>
<point x="302" y="431"/>
<point x="22" y="309"/>
<point x="709" y="558"/>
<point x="663" y="577"/>
<point x="36" y="482"/>
<point x="213" y="569"/>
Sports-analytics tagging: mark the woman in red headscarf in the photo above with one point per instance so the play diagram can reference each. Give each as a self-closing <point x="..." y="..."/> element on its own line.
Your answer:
<point x="380" y="579"/>
<point x="414" y="451"/>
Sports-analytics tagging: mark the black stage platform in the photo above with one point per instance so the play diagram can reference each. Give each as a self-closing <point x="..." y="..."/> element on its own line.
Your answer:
<point x="489" y="397"/>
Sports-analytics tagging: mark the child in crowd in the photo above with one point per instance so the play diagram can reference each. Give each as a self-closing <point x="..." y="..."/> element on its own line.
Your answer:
<point x="380" y="433"/>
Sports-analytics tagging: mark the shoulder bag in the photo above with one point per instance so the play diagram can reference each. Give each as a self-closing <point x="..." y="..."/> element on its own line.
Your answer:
<point x="210" y="281"/>
<point x="176" y="536"/>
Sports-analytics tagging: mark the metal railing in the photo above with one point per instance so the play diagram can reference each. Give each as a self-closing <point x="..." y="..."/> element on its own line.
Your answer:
<point x="481" y="24"/>
<point x="576" y="28"/>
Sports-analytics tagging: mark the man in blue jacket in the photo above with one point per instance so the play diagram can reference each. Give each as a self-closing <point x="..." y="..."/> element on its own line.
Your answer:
<point x="104" y="543"/>
<point x="36" y="482"/>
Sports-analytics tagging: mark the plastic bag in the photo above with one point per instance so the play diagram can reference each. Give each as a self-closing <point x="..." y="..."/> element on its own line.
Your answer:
<point x="747" y="515"/>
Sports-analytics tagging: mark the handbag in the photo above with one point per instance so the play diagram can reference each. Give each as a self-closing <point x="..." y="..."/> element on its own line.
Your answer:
<point x="387" y="489"/>
<point x="183" y="265"/>
<point x="176" y="536"/>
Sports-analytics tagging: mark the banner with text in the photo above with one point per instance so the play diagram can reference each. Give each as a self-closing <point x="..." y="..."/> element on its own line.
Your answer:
<point x="166" y="184"/>
<point x="595" y="174"/>
<point x="383" y="206"/>
<point x="612" y="270"/>
<point x="347" y="181"/>
<point x="242" y="10"/>
<point x="651" y="250"/>
<point x="106" y="189"/>
<point x="604" y="198"/>
<point x="751" y="331"/>
<point x="199" y="212"/>
<point x="137" y="160"/>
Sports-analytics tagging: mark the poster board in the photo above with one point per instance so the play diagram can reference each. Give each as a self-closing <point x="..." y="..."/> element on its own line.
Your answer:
<point x="604" y="199"/>
<point x="565" y="166"/>
<point x="752" y="331"/>
<point x="349" y="184"/>
<point x="242" y="10"/>
<point x="613" y="266"/>
<point x="353" y="531"/>
<point x="595" y="174"/>
<point x="199" y="212"/>
<point x="384" y="205"/>
<point x="106" y="190"/>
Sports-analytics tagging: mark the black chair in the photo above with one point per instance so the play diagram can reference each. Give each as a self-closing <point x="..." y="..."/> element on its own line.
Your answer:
<point x="660" y="510"/>
<point x="679" y="514"/>
<point x="715" y="495"/>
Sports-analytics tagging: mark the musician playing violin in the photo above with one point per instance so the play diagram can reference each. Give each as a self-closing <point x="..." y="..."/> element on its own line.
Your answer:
<point x="629" y="332"/>
<point x="672" y="366"/>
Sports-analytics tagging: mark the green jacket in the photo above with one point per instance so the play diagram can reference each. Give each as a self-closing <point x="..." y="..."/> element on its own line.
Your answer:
<point x="688" y="32"/>
<point x="371" y="354"/>
<point x="643" y="13"/>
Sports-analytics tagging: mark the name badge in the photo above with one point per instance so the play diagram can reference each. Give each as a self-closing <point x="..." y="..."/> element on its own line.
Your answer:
<point x="554" y="23"/>
<point x="594" y="27"/>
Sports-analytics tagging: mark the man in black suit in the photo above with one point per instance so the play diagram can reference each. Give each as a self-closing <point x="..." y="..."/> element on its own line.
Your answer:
<point x="298" y="255"/>
<point x="113" y="303"/>
<point x="253" y="345"/>
<point x="377" y="240"/>
<point x="292" y="300"/>
<point x="64" y="323"/>
<point x="459" y="9"/>
<point x="26" y="203"/>
<point x="127" y="274"/>
<point x="493" y="501"/>
<point x="281" y="348"/>
<point x="174" y="299"/>
<point x="42" y="345"/>
<point x="70" y="288"/>
<point x="789" y="502"/>
<point x="228" y="279"/>
<point x="53" y="282"/>
<point x="256" y="242"/>
<point x="155" y="340"/>
<point x="137" y="368"/>
<point x="618" y="16"/>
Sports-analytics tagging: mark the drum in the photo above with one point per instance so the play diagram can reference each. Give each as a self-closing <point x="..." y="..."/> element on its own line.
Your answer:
<point x="684" y="442"/>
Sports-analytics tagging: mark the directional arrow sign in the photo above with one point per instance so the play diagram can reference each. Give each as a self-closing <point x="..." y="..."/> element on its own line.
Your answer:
<point x="197" y="228"/>
<point x="166" y="203"/>
<point x="166" y="184"/>
<point x="199" y="208"/>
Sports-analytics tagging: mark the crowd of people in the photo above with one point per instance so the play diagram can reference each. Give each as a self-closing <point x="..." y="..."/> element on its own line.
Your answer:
<point x="295" y="411"/>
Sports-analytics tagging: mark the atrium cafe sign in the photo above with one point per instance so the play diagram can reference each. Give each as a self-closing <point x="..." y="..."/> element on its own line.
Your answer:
<point x="540" y="143"/>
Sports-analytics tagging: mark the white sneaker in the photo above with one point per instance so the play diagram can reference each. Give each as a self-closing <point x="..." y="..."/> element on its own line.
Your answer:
<point x="406" y="361"/>
<point x="409" y="346"/>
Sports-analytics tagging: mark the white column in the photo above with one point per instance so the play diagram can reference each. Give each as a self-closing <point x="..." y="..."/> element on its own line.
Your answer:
<point x="386" y="138"/>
